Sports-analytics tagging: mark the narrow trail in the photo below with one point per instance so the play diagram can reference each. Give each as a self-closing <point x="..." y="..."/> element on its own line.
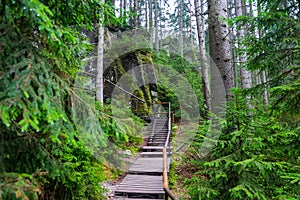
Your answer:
<point x="144" y="179"/>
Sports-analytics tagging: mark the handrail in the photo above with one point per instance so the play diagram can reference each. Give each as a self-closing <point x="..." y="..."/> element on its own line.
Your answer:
<point x="167" y="190"/>
<point x="169" y="126"/>
<point x="165" y="160"/>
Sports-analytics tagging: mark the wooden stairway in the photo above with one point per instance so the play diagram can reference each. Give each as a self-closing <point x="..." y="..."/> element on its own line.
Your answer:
<point x="144" y="179"/>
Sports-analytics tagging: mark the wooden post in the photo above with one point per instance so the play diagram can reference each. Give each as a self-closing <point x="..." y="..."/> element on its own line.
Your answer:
<point x="165" y="172"/>
<point x="173" y="117"/>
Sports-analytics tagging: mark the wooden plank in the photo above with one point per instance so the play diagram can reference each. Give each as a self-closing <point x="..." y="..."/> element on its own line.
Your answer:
<point x="159" y="139"/>
<point x="153" y="154"/>
<point x="158" y="135"/>
<point x="147" y="165"/>
<point x="156" y="143"/>
<point x="152" y="148"/>
<point x="141" y="184"/>
<point x="144" y="180"/>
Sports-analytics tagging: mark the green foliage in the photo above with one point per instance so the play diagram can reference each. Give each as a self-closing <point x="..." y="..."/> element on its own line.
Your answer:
<point x="17" y="185"/>
<point x="257" y="154"/>
<point x="130" y="52"/>
<point x="172" y="175"/>
<point x="258" y="160"/>
<point x="123" y="128"/>
<point x="275" y="50"/>
<point x="41" y="49"/>
<point x="183" y="72"/>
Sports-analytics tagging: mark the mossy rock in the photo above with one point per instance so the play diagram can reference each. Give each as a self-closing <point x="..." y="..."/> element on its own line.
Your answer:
<point x="138" y="61"/>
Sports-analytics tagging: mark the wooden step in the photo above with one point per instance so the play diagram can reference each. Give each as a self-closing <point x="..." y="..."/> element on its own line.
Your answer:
<point x="158" y="141"/>
<point x="155" y="144"/>
<point x="148" y="166"/>
<point x="152" y="148"/>
<point x="141" y="186"/>
<point x="144" y="177"/>
<point x="159" y="137"/>
<point x="158" y="132"/>
<point x="153" y="154"/>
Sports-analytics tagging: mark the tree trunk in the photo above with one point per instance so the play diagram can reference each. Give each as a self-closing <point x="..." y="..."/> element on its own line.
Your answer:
<point x="246" y="77"/>
<point x="181" y="27"/>
<point x="266" y="93"/>
<point x="135" y="10"/>
<point x="151" y="22"/>
<point x="139" y="11"/>
<point x="99" y="78"/>
<point x="120" y="8"/>
<point x="202" y="53"/>
<point x="156" y="25"/>
<point x="264" y="72"/>
<point x="161" y="24"/>
<point x="191" y="28"/>
<point x="124" y="8"/>
<point x="131" y="10"/>
<point x="220" y="47"/>
<point x="146" y="15"/>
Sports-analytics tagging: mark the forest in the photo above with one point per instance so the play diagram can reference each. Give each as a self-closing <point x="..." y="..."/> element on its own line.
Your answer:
<point x="79" y="81"/>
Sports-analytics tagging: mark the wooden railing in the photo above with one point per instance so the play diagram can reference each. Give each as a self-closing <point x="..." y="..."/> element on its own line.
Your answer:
<point x="168" y="192"/>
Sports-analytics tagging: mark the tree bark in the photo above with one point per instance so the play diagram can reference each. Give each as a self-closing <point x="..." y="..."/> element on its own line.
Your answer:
<point x="264" y="80"/>
<point x="264" y="72"/>
<point x="135" y="10"/>
<point x="191" y="27"/>
<point x="99" y="78"/>
<point x="124" y="5"/>
<point x="120" y="8"/>
<point x="246" y="77"/>
<point x="156" y="25"/>
<point x="161" y="24"/>
<point x="202" y="53"/>
<point x="220" y="47"/>
<point x="146" y="14"/>
<point x="181" y="27"/>
<point x="151" y="22"/>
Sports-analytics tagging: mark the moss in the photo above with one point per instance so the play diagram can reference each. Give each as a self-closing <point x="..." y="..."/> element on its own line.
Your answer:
<point x="136" y="59"/>
<point x="142" y="107"/>
<point x="119" y="66"/>
<point x="118" y="69"/>
<point x="148" y="97"/>
<point x="144" y="57"/>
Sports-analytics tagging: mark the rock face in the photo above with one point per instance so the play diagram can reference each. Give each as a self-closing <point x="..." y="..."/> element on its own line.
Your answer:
<point x="138" y="65"/>
<point x="123" y="56"/>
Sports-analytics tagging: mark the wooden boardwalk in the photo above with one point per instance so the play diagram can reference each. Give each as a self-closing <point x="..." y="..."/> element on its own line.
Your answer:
<point x="144" y="179"/>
